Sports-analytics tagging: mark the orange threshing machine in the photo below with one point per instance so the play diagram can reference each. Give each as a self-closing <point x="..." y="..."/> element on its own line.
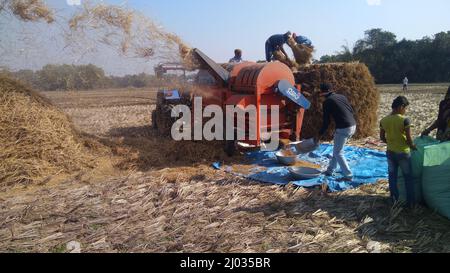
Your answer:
<point x="257" y="84"/>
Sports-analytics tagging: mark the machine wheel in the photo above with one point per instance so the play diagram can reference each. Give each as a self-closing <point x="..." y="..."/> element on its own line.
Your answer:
<point x="162" y="120"/>
<point x="154" y="125"/>
<point x="230" y="147"/>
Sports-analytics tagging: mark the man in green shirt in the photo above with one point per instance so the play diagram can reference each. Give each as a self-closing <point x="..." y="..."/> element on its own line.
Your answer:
<point x="395" y="130"/>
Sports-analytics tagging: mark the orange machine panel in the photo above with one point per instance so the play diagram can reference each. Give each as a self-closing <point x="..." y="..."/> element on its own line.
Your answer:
<point x="259" y="78"/>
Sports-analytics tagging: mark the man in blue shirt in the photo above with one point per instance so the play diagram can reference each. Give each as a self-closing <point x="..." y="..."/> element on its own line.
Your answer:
<point x="276" y="42"/>
<point x="302" y="40"/>
<point x="237" y="56"/>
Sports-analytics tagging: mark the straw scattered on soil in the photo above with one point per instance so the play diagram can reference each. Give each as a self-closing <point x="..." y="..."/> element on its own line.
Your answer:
<point x="201" y="213"/>
<point x="192" y="208"/>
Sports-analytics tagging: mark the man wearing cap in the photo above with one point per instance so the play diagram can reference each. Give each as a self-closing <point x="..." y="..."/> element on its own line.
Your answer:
<point x="275" y="43"/>
<point x="337" y="106"/>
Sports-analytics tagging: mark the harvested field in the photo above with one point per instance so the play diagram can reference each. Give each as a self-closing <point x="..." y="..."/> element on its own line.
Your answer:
<point x="424" y="100"/>
<point x="104" y="98"/>
<point x="188" y="207"/>
<point x="212" y="213"/>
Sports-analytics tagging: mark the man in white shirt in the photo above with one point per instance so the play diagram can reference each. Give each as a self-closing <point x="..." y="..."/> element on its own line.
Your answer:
<point x="405" y="84"/>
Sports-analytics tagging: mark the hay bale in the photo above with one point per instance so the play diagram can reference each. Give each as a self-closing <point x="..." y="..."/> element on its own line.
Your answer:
<point x="302" y="53"/>
<point x="350" y="79"/>
<point x="37" y="140"/>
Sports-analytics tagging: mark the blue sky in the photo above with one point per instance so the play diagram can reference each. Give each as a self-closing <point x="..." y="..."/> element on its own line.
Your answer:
<point x="219" y="26"/>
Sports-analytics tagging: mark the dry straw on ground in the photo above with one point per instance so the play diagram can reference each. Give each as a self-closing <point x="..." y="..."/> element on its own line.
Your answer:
<point x="37" y="140"/>
<point x="28" y="10"/>
<point x="350" y="79"/>
<point x="210" y="212"/>
<point x="179" y="208"/>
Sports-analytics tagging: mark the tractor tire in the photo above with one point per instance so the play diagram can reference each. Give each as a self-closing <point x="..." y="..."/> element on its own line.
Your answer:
<point x="230" y="147"/>
<point x="162" y="119"/>
<point x="154" y="125"/>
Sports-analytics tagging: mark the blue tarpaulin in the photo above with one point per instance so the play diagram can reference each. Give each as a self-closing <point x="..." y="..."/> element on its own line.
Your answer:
<point x="368" y="166"/>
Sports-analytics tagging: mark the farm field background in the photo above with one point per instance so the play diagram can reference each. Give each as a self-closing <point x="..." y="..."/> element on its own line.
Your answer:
<point x="146" y="198"/>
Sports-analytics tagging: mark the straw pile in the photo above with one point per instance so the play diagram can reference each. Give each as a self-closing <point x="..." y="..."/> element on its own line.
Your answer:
<point x="28" y="10"/>
<point x="37" y="140"/>
<point x="350" y="79"/>
<point x="302" y="53"/>
<point x="279" y="56"/>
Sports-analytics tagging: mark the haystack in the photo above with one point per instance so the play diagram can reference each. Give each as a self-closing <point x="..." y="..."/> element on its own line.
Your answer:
<point x="350" y="79"/>
<point x="37" y="140"/>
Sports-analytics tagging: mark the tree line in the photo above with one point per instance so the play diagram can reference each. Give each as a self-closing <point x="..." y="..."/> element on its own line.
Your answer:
<point x="426" y="60"/>
<point x="79" y="77"/>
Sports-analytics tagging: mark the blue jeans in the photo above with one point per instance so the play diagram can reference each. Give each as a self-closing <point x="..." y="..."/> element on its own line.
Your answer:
<point x="402" y="160"/>
<point x="269" y="52"/>
<point x="340" y="139"/>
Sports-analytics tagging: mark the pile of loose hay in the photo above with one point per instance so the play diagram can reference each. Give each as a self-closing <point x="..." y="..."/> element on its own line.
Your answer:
<point x="302" y="54"/>
<point x="279" y="56"/>
<point x="37" y="140"/>
<point x="28" y="10"/>
<point x="350" y="79"/>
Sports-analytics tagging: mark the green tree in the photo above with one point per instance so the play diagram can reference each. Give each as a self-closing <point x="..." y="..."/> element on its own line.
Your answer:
<point x="424" y="60"/>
